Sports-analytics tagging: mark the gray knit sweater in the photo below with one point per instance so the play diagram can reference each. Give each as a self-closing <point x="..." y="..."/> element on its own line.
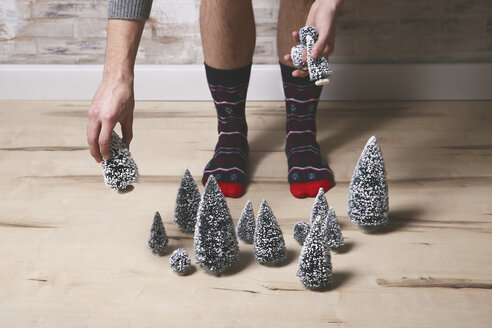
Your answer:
<point x="129" y="9"/>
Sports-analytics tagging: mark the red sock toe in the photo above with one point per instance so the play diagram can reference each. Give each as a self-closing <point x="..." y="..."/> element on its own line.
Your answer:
<point x="233" y="190"/>
<point x="309" y="189"/>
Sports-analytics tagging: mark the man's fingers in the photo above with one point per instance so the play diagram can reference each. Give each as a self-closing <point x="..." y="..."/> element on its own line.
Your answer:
<point x="295" y="36"/>
<point x="93" y="140"/>
<point x="105" y="139"/>
<point x="300" y="73"/>
<point x="320" y="45"/>
<point x="127" y="131"/>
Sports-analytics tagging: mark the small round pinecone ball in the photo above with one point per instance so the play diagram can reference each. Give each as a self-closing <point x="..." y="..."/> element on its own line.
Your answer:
<point x="301" y="230"/>
<point x="180" y="261"/>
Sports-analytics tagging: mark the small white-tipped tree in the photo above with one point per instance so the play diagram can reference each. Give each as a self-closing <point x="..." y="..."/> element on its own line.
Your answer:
<point x="335" y="237"/>
<point x="315" y="270"/>
<point x="320" y="206"/>
<point x="246" y="226"/>
<point x="187" y="201"/>
<point x="120" y="170"/>
<point x="368" y="192"/>
<point x="158" y="238"/>
<point x="216" y="246"/>
<point x="269" y="245"/>
<point x="301" y="230"/>
<point x="180" y="261"/>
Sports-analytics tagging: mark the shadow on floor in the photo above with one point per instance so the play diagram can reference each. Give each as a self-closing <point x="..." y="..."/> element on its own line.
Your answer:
<point x="398" y="219"/>
<point x="245" y="259"/>
<point x="347" y="247"/>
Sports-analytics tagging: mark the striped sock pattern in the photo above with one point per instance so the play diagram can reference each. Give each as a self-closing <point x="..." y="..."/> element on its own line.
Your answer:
<point x="229" y="162"/>
<point x="307" y="170"/>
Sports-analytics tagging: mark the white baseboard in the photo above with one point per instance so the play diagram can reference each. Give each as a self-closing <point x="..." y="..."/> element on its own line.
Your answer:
<point x="468" y="81"/>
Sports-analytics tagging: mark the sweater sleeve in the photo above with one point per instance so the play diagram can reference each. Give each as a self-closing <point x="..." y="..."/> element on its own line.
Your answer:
<point x="129" y="9"/>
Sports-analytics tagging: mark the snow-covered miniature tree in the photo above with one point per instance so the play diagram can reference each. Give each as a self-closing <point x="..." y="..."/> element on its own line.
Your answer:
<point x="269" y="245"/>
<point x="180" y="261"/>
<point x="301" y="230"/>
<point x="216" y="246"/>
<point x="320" y="206"/>
<point x="158" y="238"/>
<point x="187" y="201"/>
<point x="246" y="226"/>
<point x="368" y="192"/>
<point x="335" y="237"/>
<point x="315" y="270"/>
<point x="120" y="170"/>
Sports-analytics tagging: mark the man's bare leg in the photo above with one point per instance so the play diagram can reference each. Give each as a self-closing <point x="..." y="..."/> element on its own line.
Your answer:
<point x="228" y="38"/>
<point x="292" y="16"/>
<point x="228" y="33"/>
<point x="308" y="172"/>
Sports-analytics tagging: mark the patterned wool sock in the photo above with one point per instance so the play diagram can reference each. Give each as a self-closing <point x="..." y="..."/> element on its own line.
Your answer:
<point x="229" y="163"/>
<point x="307" y="170"/>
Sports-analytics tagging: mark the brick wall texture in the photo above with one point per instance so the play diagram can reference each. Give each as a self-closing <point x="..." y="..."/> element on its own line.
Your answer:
<point x="369" y="31"/>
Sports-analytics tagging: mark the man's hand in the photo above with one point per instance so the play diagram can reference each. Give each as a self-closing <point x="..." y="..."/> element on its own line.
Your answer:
<point x="113" y="103"/>
<point x="114" y="100"/>
<point x="322" y="15"/>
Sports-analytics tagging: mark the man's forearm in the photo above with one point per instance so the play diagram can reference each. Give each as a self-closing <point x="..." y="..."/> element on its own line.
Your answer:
<point x="125" y="26"/>
<point x="121" y="49"/>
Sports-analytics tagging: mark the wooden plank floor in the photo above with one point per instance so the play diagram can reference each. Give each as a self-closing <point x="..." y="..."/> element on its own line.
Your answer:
<point x="73" y="253"/>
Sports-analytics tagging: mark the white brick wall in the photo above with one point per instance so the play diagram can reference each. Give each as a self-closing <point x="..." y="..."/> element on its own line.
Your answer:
<point x="369" y="31"/>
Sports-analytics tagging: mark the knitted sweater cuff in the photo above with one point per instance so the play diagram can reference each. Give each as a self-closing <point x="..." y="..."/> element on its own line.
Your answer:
<point x="129" y="9"/>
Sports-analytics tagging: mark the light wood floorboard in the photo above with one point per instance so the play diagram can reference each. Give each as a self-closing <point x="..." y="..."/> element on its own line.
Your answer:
<point x="73" y="253"/>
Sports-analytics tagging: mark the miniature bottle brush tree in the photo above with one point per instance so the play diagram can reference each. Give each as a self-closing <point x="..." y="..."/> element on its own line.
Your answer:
<point x="120" y="170"/>
<point x="180" y="261"/>
<point x="216" y="246"/>
<point x="368" y="192"/>
<point x="315" y="270"/>
<point x="158" y="238"/>
<point x="246" y="225"/>
<point x="187" y="201"/>
<point x="269" y="245"/>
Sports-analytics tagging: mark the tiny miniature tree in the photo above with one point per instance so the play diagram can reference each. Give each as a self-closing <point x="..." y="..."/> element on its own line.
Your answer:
<point x="187" y="201"/>
<point x="368" y="192"/>
<point x="269" y="245"/>
<point x="216" y="246"/>
<point x="158" y="238"/>
<point x="180" y="261"/>
<point x="120" y="170"/>
<point x="315" y="270"/>
<point x="301" y="230"/>
<point x="245" y="229"/>
<point x="335" y="237"/>
<point x="320" y="206"/>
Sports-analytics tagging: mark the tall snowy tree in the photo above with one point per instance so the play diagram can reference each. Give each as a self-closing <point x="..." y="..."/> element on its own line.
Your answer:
<point x="120" y="170"/>
<point x="216" y="246"/>
<point x="315" y="270"/>
<point x="187" y="201"/>
<point x="158" y="238"/>
<point x="320" y="206"/>
<point x="368" y="192"/>
<point x="269" y="245"/>
<point x="246" y="226"/>
<point x="335" y="237"/>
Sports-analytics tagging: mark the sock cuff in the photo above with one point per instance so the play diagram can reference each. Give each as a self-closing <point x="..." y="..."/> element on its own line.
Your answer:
<point x="287" y="76"/>
<point x="228" y="77"/>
